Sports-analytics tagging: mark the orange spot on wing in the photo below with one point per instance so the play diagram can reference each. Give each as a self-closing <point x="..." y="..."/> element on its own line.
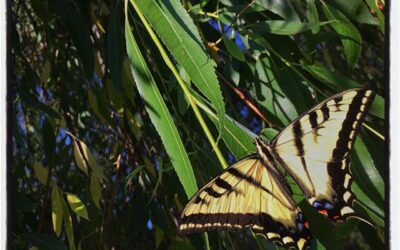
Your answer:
<point x="324" y="212"/>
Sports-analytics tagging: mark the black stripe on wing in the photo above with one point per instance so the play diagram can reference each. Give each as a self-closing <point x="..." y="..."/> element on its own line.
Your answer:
<point x="262" y="223"/>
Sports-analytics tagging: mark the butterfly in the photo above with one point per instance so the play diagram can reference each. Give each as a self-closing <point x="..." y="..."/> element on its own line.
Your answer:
<point x="314" y="150"/>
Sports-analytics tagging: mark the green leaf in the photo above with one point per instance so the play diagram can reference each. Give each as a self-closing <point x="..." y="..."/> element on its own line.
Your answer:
<point x="356" y="10"/>
<point x="79" y="32"/>
<point x="43" y="241"/>
<point x="312" y="16"/>
<point x="77" y="205"/>
<point x="85" y="159"/>
<point x="282" y="8"/>
<point x="233" y="49"/>
<point x="366" y="204"/>
<point x="373" y="4"/>
<point x="279" y="27"/>
<point x="68" y="225"/>
<point x="41" y="173"/>
<point x="159" y="114"/>
<point x="366" y="173"/>
<point x="348" y="33"/>
<point x="95" y="190"/>
<point x="378" y="107"/>
<point x="56" y="210"/>
<point x="178" y="32"/>
<point x="334" y="80"/>
<point x="132" y="174"/>
<point x="114" y="46"/>
<point x="269" y="133"/>
<point x="81" y="162"/>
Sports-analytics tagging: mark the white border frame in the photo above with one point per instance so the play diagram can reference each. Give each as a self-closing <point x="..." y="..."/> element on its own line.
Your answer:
<point x="394" y="115"/>
<point x="394" y="125"/>
<point x="3" y="124"/>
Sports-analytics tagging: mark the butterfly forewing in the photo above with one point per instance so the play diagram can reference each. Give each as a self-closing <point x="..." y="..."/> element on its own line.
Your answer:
<point x="314" y="149"/>
<point x="247" y="194"/>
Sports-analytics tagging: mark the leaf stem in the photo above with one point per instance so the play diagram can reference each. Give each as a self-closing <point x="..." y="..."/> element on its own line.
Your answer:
<point x="185" y="89"/>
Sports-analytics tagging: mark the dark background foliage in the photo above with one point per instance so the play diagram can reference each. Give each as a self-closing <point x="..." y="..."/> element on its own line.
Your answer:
<point x="122" y="110"/>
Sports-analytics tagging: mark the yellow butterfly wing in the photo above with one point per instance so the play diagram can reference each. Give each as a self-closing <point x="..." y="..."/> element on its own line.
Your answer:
<point x="314" y="150"/>
<point x="247" y="194"/>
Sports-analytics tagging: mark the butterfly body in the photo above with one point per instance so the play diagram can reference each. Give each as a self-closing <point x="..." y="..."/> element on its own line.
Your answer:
<point x="314" y="150"/>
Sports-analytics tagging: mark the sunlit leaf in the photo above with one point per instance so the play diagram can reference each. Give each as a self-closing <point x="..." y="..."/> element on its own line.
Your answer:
<point x="69" y="229"/>
<point x="172" y="23"/>
<point x="81" y="162"/>
<point x="41" y="172"/>
<point x="56" y="209"/>
<point x="77" y="206"/>
<point x="159" y="114"/>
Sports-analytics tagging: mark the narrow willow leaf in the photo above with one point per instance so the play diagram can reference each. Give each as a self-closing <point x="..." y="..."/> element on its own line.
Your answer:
<point x="378" y="107"/>
<point x="41" y="173"/>
<point x="279" y="27"/>
<point x="312" y="16"/>
<point x="77" y="205"/>
<point x="364" y="202"/>
<point x="159" y="114"/>
<point x="178" y="32"/>
<point x="132" y="174"/>
<point x="356" y="10"/>
<point x="68" y="225"/>
<point x="269" y="133"/>
<point x="85" y="159"/>
<point x="351" y="38"/>
<point x="56" y="210"/>
<point x="79" y="157"/>
<point x="43" y="241"/>
<point x="367" y="174"/>
<point x="334" y="80"/>
<point x="282" y="8"/>
<point x="233" y="49"/>
<point x="95" y="190"/>
<point x="373" y="4"/>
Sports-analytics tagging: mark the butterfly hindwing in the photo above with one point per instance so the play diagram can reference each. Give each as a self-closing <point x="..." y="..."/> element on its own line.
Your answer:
<point x="247" y="194"/>
<point x="315" y="149"/>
